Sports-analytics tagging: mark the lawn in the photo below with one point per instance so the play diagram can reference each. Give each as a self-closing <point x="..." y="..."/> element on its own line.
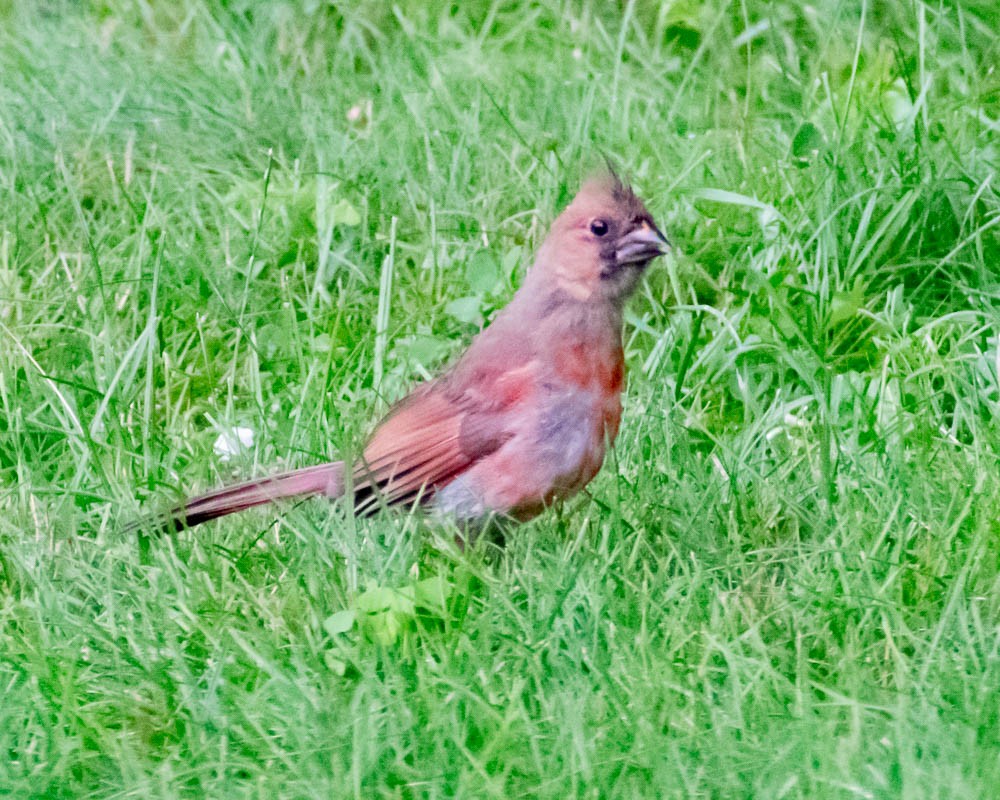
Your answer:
<point x="785" y="582"/>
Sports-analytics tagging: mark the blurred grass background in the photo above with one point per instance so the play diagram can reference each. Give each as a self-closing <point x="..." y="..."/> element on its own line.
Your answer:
<point x="279" y="216"/>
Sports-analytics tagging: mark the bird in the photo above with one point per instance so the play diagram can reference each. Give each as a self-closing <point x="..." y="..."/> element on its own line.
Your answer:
<point x="524" y="417"/>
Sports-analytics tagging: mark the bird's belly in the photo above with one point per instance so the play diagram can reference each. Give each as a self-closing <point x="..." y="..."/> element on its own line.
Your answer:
<point x="551" y="459"/>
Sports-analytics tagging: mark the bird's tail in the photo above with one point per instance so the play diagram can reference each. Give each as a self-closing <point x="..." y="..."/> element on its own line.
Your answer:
<point x="324" y="479"/>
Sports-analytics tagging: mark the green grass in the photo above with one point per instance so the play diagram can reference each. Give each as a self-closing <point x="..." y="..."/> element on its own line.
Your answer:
<point x="786" y="581"/>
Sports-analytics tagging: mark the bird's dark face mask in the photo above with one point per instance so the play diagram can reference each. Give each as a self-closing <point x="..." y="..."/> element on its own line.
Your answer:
<point x="626" y="255"/>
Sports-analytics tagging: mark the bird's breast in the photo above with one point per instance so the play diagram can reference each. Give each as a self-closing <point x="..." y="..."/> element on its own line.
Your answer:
<point x="599" y="370"/>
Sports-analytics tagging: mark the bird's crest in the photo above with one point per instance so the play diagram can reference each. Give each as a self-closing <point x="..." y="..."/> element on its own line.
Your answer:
<point x="606" y="189"/>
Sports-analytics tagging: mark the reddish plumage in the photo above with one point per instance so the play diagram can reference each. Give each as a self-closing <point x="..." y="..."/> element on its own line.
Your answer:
<point x="525" y="415"/>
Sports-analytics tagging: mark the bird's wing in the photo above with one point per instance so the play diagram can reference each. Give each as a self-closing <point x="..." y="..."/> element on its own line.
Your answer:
<point x="438" y="432"/>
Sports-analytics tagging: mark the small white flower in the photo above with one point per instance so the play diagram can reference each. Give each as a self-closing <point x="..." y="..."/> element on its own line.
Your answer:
<point x="233" y="442"/>
<point x="360" y="113"/>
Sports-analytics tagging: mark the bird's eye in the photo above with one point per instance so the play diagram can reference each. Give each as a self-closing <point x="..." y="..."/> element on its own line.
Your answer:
<point x="598" y="227"/>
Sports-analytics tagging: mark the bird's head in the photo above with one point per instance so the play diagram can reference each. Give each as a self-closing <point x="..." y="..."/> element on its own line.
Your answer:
<point x="602" y="242"/>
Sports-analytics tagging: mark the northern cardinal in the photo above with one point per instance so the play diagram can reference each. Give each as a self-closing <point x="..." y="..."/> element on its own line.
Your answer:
<point x="525" y="415"/>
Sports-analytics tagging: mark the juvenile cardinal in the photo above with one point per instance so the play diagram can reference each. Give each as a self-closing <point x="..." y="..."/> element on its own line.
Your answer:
<point x="524" y="417"/>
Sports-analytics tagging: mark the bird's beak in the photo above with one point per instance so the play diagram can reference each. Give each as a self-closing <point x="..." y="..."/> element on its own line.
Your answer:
<point x="643" y="244"/>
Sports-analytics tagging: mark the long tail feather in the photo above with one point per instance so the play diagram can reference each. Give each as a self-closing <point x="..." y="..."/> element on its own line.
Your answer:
<point x="324" y="479"/>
